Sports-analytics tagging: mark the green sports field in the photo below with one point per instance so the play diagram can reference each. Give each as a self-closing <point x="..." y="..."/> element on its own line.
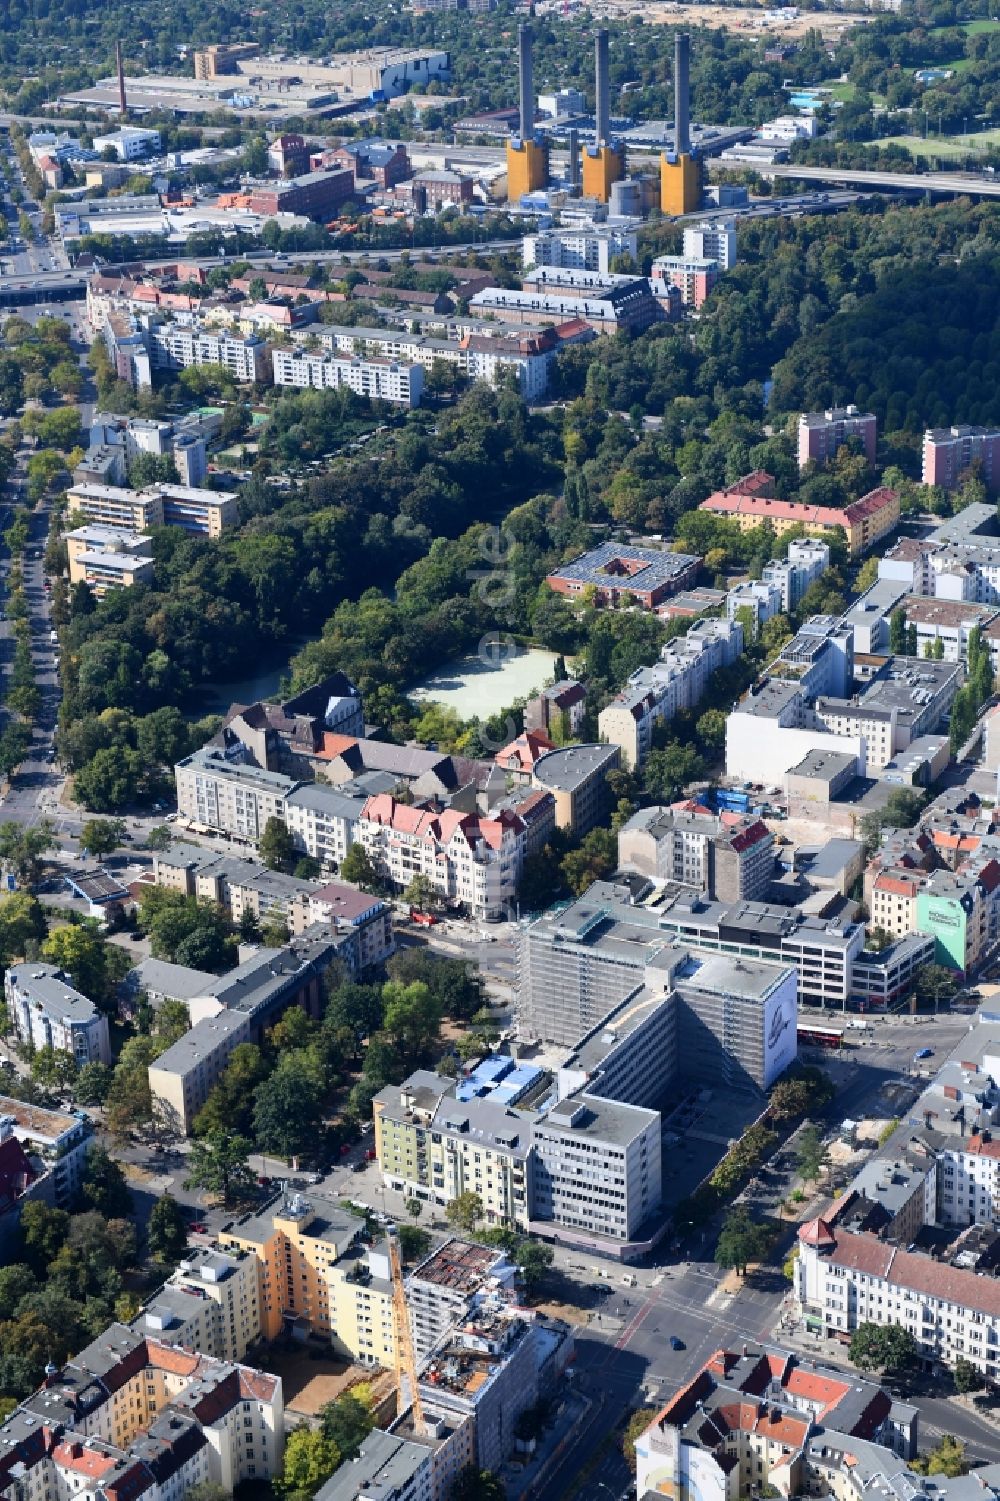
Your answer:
<point x="937" y="147"/>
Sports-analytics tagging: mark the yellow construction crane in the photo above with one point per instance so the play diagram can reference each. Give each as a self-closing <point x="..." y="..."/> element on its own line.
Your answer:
<point x="406" y="1360"/>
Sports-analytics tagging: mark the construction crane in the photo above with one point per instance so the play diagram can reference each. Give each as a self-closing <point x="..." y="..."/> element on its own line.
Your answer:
<point x="406" y="1359"/>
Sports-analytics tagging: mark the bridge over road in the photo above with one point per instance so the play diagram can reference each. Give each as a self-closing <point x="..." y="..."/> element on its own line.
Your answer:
<point x="970" y="184"/>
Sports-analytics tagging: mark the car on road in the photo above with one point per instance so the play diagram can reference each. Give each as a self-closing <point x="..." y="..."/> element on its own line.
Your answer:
<point x="923" y="1053"/>
<point x="675" y="1343"/>
<point x="198" y="1227"/>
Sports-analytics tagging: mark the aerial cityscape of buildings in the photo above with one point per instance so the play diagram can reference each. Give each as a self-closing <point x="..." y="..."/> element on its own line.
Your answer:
<point x="499" y="757"/>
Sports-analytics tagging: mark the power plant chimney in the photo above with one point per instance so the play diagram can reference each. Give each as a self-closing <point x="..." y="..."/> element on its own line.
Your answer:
<point x="527" y="99"/>
<point x="574" y="161"/>
<point x="682" y="94"/>
<point x="122" y="102"/>
<point x="602" y="109"/>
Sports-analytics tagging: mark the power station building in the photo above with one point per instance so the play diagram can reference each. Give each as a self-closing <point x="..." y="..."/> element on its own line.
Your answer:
<point x="604" y="161"/>
<point x="527" y="154"/>
<point x="681" y="170"/>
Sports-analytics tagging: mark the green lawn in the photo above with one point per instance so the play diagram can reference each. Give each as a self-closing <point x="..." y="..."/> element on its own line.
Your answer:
<point x="936" y="147"/>
<point x="845" y="93"/>
<point x="971" y="28"/>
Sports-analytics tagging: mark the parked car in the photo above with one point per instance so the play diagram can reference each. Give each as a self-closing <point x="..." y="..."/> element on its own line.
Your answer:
<point x="922" y="1053"/>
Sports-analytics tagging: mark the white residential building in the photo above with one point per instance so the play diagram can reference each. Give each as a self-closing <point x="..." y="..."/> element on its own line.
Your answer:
<point x="712" y="240"/>
<point x="678" y="681"/>
<point x="762" y="599"/>
<point x="969" y="1180"/>
<point x="466" y="857"/>
<point x="322" y="821"/>
<point x="130" y="143"/>
<point x="587" y="248"/>
<point x="807" y="559"/>
<point x="378" y="379"/>
<point x="844" y="1279"/>
<point x="524" y="356"/>
<point x="229" y="796"/>
<point x="177" y="346"/>
<point x="46" y="1012"/>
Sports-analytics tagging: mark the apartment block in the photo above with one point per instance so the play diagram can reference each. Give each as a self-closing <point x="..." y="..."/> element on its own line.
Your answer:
<point x="822" y="433"/>
<point x="561" y="706"/>
<point x="760" y="1410"/>
<point x="210" y="1303"/>
<point x="843" y="1279"/>
<point x="56" y="1143"/>
<point x="587" y="248"/>
<point x="481" y="350"/>
<point x="241" y="1006"/>
<point x="179" y="346"/>
<point x="231" y="797"/>
<point x="467" y="857"/>
<point x="630" y="307"/>
<point x="207" y="512"/>
<point x="758" y="596"/>
<point x="951" y="452"/>
<point x="323" y="821"/>
<point x="377" y="379"/>
<point x="388" y="1467"/>
<point x="436" y="1145"/>
<point x="46" y="1012"/>
<point x="182" y="1078"/>
<point x="316" y="1276"/>
<point x="750" y="502"/>
<point x="674" y="683"/>
<point x="713" y="240"/>
<point x="119" y="440"/>
<point x="135" y="1415"/>
<point x="807" y="560"/>
<point x="693" y="276"/>
<point x="104" y="558"/>
<point x="112" y="507"/>
<point x="576" y="776"/>
<point x="954" y="907"/>
<point x="728" y="856"/>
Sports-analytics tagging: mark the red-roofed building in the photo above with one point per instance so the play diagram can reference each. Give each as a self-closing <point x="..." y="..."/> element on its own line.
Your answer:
<point x="750" y="502"/>
<point x="518" y="758"/>
<point x="134" y="1417"/>
<point x="951" y="1312"/>
<point x="468" y="858"/>
<point x="755" y="1413"/>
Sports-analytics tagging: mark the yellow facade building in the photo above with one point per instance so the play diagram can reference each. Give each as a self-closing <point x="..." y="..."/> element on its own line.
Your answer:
<point x="527" y="168"/>
<point x="602" y="166"/>
<point x="680" y="184"/>
<point x="314" y="1274"/>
